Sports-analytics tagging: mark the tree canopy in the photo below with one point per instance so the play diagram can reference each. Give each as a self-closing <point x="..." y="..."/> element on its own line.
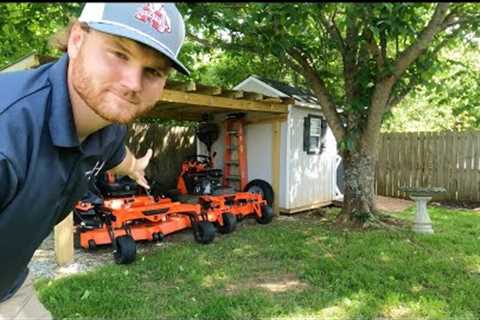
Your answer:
<point x="27" y="26"/>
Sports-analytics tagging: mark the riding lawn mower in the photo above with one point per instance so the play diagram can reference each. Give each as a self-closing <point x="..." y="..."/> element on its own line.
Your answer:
<point x="117" y="211"/>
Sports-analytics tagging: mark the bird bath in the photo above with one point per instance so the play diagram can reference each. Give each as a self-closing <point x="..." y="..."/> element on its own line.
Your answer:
<point x="423" y="224"/>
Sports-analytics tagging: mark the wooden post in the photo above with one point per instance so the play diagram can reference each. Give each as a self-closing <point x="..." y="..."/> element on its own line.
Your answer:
<point x="63" y="234"/>
<point x="276" y="140"/>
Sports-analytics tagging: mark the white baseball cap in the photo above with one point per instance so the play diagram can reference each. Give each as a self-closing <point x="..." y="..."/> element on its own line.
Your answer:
<point x="157" y="25"/>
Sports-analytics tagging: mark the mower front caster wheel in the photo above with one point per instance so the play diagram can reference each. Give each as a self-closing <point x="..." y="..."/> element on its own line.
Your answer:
<point x="204" y="232"/>
<point x="92" y="245"/>
<point x="229" y="223"/>
<point x="126" y="251"/>
<point x="267" y="215"/>
<point x="157" y="236"/>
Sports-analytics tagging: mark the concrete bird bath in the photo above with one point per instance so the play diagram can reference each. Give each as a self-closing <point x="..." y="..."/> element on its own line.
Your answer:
<point x="423" y="224"/>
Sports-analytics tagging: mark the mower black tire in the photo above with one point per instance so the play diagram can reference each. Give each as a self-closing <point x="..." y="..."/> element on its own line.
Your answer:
<point x="126" y="250"/>
<point x="262" y="187"/>
<point x="204" y="232"/>
<point x="92" y="245"/>
<point x="267" y="215"/>
<point x="229" y="223"/>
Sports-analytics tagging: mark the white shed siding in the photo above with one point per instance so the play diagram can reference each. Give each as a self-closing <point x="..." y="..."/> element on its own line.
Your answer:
<point x="259" y="156"/>
<point x="311" y="177"/>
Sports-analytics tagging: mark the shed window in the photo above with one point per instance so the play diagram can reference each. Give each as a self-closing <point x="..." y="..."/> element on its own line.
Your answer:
<point x="314" y="129"/>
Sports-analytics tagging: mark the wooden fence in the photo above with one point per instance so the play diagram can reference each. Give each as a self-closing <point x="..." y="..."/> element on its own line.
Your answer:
<point x="430" y="159"/>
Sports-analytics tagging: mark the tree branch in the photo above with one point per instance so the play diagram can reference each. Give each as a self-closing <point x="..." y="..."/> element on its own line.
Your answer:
<point x="426" y="36"/>
<point x="375" y="50"/>
<point x="332" y="29"/>
<point x="383" y="88"/>
<point x="329" y="108"/>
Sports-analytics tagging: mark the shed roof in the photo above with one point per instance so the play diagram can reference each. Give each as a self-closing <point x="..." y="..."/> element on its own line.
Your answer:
<point x="293" y="92"/>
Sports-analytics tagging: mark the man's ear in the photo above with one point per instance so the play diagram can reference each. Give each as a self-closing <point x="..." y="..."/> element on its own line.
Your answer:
<point x="75" y="40"/>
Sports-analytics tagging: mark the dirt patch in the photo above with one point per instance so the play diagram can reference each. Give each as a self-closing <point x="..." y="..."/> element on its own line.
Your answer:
<point x="393" y="205"/>
<point x="272" y="283"/>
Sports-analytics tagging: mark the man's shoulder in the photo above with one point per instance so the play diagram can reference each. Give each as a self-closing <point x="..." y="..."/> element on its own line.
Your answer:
<point x="18" y="85"/>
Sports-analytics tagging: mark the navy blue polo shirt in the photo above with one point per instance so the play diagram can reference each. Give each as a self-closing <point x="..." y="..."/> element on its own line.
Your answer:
<point x="44" y="169"/>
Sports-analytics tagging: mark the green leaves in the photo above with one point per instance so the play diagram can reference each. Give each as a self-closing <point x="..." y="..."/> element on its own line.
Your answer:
<point x="27" y="27"/>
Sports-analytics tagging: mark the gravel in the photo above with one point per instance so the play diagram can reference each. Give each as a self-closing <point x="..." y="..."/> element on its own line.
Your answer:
<point x="44" y="265"/>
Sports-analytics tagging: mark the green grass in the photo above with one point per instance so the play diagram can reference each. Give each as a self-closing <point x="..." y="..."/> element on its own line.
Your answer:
<point x="290" y="269"/>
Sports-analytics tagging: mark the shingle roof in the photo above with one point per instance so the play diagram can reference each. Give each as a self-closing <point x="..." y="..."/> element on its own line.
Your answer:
<point x="296" y="93"/>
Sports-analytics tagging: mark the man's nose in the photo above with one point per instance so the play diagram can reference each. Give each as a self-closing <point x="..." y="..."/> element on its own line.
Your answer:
<point x="132" y="78"/>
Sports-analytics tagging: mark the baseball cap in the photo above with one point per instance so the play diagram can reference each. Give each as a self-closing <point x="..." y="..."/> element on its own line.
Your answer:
<point x="157" y="25"/>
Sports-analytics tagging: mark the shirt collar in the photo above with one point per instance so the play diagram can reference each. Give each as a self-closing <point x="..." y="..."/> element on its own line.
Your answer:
<point x="61" y="122"/>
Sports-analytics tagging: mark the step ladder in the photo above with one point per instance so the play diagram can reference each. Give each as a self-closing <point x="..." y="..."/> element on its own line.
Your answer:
<point x="235" y="173"/>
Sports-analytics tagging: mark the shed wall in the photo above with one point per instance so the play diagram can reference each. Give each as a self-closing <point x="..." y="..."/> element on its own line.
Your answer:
<point x="312" y="178"/>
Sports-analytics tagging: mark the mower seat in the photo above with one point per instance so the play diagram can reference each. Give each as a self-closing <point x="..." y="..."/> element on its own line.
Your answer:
<point x="122" y="187"/>
<point x="92" y="198"/>
<point x="215" y="173"/>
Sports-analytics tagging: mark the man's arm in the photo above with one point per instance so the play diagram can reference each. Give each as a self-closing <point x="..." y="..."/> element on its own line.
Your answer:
<point x="133" y="167"/>
<point x="8" y="182"/>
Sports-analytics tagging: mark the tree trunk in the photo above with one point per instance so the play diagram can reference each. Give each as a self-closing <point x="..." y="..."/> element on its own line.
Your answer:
<point x="359" y="195"/>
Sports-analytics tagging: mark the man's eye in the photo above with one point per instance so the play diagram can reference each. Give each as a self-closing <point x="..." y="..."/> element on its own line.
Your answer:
<point x="154" y="72"/>
<point x="120" y="55"/>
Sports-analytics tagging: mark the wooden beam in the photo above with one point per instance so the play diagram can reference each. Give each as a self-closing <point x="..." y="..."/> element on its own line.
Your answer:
<point x="173" y="115"/>
<point x="234" y="94"/>
<point x="312" y="206"/>
<point x="181" y="86"/>
<point x="276" y="141"/>
<point x="281" y="118"/>
<point x="253" y="95"/>
<point x="208" y="90"/>
<point x="200" y="100"/>
<point x="63" y="236"/>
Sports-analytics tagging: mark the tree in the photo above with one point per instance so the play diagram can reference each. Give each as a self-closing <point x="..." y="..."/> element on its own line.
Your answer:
<point x="359" y="60"/>
<point x="27" y="27"/>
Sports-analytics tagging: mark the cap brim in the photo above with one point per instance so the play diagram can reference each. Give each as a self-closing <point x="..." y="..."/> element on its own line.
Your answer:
<point x="130" y="34"/>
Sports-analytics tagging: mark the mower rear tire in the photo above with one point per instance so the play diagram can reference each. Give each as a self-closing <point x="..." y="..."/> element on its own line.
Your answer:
<point x="204" y="232"/>
<point x="261" y="187"/>
<point x="229" y="223"/>
<point x="267" y="215"/>
<point x="126" y="250"/>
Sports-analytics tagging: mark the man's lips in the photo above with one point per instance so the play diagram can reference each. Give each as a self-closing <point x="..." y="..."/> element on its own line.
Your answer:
<point x="122" y="97"/>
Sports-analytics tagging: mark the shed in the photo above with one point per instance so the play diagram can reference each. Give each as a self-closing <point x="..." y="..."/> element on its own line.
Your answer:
<point x="308" y="150"/>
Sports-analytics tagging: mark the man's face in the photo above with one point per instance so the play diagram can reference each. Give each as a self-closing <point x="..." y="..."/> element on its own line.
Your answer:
<point x="118" y="78"/>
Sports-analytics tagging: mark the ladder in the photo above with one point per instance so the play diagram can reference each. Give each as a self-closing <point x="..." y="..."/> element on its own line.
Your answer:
<point x="235" y="173"/>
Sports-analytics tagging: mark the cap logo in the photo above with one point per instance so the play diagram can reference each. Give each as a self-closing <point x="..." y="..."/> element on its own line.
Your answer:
<point x="156" y="15"/>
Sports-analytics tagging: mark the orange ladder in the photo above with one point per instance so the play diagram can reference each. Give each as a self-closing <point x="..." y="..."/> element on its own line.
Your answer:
<point x="235" y="173"/>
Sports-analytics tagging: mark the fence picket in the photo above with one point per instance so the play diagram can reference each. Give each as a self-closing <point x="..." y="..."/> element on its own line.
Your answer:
<point x="436" y="159"/>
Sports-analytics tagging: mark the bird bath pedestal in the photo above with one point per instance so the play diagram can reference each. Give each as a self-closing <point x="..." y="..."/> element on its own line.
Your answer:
<point x="423" y="224"/>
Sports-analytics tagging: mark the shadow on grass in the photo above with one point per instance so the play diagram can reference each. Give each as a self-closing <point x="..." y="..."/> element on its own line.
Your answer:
<point x="294" y="268"/>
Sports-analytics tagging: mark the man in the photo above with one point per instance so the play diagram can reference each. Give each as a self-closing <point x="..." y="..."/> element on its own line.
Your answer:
<point x="62" y="123"/>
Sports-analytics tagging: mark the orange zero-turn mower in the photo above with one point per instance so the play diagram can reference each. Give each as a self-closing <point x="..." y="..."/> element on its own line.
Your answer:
<point x="198" y="178"/>
<point x="121" y="221"/>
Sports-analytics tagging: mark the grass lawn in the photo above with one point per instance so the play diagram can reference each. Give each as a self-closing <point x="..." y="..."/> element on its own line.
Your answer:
<point x="294" y="268"/>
